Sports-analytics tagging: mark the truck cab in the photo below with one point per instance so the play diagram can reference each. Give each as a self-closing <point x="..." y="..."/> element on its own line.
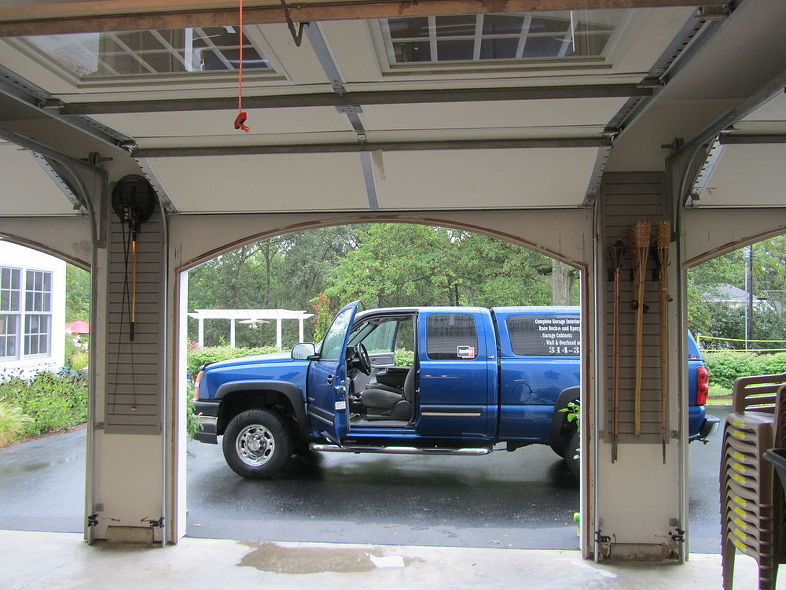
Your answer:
<point x="427" y="380"/>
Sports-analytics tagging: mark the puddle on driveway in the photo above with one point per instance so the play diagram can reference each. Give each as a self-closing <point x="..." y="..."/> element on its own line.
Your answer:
<point x="270" y="557"/>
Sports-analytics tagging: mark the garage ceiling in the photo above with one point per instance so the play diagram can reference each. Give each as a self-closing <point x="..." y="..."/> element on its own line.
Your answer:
<point x="504" y="150"/>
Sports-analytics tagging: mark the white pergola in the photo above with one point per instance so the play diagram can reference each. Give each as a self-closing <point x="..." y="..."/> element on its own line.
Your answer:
<point x="251" y="316"/>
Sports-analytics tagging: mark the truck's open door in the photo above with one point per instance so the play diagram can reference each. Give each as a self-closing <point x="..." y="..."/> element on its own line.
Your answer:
<point x="327" y="384"/>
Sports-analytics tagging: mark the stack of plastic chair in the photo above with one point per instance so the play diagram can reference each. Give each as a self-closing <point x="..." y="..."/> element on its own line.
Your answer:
<point x="752" y="515"/>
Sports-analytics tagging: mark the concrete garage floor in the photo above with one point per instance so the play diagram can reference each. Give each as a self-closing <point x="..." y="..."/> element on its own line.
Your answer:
<point x="30" y="561"/>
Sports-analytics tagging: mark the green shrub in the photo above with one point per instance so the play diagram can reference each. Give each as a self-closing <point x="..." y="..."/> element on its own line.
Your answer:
<point x="211" y="354"/>
<point x="52" y="401"/>
<point x="404" y="358"/>
<point x="726" y="366"/>
<point x="12" y="423"/>
<point x="770" y="364"/>
<point x="78" y="361"/>
<point x="192" y="424"/>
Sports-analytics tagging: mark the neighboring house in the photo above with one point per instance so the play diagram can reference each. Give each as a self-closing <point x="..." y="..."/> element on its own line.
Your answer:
<point x="730" y="295"/>
<point x="32" y="311"/>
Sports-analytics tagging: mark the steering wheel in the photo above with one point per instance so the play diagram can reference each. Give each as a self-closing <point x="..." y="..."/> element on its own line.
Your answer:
<point x="362" y="359"/>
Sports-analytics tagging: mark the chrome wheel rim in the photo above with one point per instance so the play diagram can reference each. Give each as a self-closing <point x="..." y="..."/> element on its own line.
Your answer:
<point x="255" y="445"/>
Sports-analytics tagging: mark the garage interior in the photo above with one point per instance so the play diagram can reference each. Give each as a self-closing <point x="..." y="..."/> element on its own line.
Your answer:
<point x="555" y="124"/>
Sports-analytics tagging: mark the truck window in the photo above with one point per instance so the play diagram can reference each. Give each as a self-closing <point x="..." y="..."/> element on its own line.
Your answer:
<point x="381" y="338"/>
<point x="451" y="337"/>
<point x="334" y="339"/>
<point x="545" y="334"/>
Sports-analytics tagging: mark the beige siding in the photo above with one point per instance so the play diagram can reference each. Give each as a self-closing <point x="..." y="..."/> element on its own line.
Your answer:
<point x="626" y="199"/>
<point x="134" y="370"/>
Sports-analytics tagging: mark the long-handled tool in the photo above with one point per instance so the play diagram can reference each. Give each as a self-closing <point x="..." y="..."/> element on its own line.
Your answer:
<point x="640" y="245"/>
<point x="616" y="252"/>
<point x="663" y="238"/>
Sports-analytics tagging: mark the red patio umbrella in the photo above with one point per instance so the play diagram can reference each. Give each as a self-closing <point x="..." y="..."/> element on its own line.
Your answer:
<point x="78" y="327"/>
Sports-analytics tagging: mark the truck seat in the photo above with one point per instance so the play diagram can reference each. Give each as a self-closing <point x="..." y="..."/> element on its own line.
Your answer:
<point x="389" y="403"/>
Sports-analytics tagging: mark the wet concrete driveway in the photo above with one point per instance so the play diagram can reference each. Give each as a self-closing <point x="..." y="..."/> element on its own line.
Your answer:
<point x="519" y="500"/>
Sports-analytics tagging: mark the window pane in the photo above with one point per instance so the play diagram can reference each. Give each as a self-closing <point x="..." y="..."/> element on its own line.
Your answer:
<point x="455" y="26"/>
<point x="408" y="28"/>
<point x="334" y="339"/>
<point x="542" y="47"/>
<point x="381" y="339"/>
<point x="455" y="50"/>
<point x="37" y="327"/>
<point x="498" y="48"/>
<point x="500" y="24"/>
<point x="8" y="335"/>
<point x="9" y="294"/>
<point x="47" y="281"/>
<point x="412" y="52"/>
<point x="544" y="35"/>
<point x="545" y="335"/>
<point x="557" y="23"/>
<point x="163" y="51"/>
<point x="30" y="280"/>
<point x="451" y="336"/>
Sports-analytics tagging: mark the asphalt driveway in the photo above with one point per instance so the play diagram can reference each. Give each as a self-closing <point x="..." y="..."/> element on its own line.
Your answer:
<point x="521" y="500"/>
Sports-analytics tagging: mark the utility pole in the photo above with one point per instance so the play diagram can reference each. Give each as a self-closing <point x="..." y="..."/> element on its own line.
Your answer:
<point x="749" y="289"/>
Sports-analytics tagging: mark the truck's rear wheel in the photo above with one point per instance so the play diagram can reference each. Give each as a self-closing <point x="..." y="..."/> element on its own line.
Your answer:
<point x="257" y="444"/>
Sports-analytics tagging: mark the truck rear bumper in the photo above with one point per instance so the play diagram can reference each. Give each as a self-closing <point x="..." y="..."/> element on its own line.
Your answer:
<point x="708" y="427"/>
<point x="207" y="418"/>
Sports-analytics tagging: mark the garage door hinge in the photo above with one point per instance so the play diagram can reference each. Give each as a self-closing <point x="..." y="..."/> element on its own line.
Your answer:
<point x="92" y="520"/>
<point x="156" y="523"/>
<point x="678" y="535"/>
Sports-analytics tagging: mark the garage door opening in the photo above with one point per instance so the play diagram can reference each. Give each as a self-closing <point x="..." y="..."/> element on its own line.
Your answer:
<point x="736" y="310"/>
<point x="44" y="340"/>
<point x="417" y="274"/>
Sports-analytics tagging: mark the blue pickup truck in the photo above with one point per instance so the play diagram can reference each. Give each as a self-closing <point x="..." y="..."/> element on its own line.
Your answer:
<point x="478" y="377"/>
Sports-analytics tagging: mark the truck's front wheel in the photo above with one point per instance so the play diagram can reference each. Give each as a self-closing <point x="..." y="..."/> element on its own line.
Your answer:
<point x="257" y="444"/>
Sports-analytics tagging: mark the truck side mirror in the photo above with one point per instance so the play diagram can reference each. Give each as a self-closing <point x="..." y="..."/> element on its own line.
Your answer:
<point x="303" y="350"/>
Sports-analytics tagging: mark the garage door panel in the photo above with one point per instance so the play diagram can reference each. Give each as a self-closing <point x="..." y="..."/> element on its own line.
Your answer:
<point x="217" y="123"/>
<point x="521" y="114"/>
<point x="485" y="179"/>
<point x="263" y="183"/>
<point x="751" y="174"/>
<point x="27" y="189"/>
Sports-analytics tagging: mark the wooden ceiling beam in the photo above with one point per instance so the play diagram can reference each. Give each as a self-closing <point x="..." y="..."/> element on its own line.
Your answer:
<point x="95" y="17"/>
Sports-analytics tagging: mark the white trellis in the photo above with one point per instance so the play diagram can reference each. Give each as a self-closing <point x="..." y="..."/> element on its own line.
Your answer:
<point x="250" y="316"/>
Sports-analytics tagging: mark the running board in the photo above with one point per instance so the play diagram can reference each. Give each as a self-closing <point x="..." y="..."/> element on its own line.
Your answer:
<point x="400" y="450"/>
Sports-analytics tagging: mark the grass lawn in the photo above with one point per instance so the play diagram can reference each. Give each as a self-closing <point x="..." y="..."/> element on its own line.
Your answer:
<point x="719" y="396"/>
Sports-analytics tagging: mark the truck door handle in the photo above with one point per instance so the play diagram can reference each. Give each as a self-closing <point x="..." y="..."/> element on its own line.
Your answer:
<point x="330" y="379"/>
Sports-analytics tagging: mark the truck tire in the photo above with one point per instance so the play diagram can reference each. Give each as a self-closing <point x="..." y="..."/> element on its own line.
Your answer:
<point x="257" y="444"/>
<point x="572" y="458"/>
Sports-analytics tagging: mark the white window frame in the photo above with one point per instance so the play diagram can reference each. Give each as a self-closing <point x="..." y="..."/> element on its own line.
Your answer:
<point x="27" y="314"/>
<point x="22" y="313"/>
<point x="15" y="313"/>
<point x="534" y="66"/>
<point x="252" y="38"/>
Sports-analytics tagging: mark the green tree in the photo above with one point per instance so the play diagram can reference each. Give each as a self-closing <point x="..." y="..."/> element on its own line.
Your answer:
<point x="78" y="289"/>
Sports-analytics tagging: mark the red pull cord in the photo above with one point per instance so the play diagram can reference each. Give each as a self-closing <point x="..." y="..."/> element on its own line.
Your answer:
<point x="240" y="120"/>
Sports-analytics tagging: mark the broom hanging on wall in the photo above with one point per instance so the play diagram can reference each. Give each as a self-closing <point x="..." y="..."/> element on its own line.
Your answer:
<point x="640" y="246"/>
<point x="663" y="238"/>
